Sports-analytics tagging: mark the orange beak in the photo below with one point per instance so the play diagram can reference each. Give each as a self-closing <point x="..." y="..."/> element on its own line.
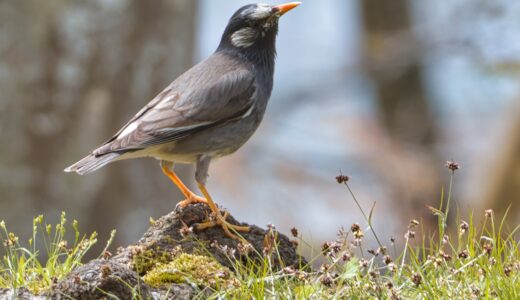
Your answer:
<point x="283" y="8"/>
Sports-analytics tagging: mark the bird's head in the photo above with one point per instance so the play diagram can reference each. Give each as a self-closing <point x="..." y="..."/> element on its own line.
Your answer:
<point x="254" y="26"/>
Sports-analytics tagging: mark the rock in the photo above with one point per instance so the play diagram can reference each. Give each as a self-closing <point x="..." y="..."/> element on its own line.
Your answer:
<point x="166" y="239"/>
<point x="98" y="279"/>
<point x="166" y="236"/>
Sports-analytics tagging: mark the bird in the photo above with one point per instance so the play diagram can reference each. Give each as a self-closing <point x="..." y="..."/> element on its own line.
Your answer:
<point x="208" y="112"/>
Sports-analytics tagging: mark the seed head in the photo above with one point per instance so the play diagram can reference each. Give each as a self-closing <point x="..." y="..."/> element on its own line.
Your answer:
<point x="325" y="247"/>
<point x="335" y="247"/>
<point x="269" y="242"/>
<point x="410" y="234"/>
<point x="342" y="178"/>
<point x="488" y="248"/>
<point x="464" y="254"/>
<point x="346" y="257"/>
<point x="392" y="267"/>
<point x="228" y="251"/>
<point x="356" y="242"/>
<point x="445" y="256"/>
<point x="363" y="263"/>
<point x="453" y="166"/>
<point x="355" y="228"/>
<point x="476" y="291"/>
<point x="326" y="280"/>
<point x="413" y="223"/>
<point x="507" y="270"/>
<point x="359" y="235"/>
<point x="417" y="279"/>
<point x="437" y="262"/>
<point x="62" y="245"/>
<point x="394" y="295"/>
<point x="294" y="232"/>
<point x="387" y="259"/>
<point x="463" y="227"/>
<point x="373" y="274"/>
<point x="244" y="248"/>
<point x="324" y="268"/>
<point x="11" y="240"/>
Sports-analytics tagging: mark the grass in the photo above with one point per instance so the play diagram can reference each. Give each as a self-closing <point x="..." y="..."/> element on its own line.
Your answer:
<point x="477" y="262"/>
<point x="21" y="264"/>
<point x="462" y="259"/>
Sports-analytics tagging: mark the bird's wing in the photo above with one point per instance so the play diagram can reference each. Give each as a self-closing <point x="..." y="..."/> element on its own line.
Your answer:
<point x="205" y="101"/>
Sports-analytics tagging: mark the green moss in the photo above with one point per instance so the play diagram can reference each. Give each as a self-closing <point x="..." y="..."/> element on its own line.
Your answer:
<point x="190" y="268"/>
<point x="145" y="259"/>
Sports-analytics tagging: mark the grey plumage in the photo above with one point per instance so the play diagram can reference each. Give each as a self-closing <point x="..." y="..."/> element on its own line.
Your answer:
<point x="209" y="111"/>
<point x="91" y="163"/>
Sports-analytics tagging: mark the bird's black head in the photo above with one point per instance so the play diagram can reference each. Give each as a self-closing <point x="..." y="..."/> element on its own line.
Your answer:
<point x="254" y="27"/>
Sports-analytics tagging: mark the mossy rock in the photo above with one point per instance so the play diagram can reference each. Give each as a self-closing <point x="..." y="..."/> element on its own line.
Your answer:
<point x="146" y="258"/>
<point x="165" y="237"/>
<point x="189" y="268"/>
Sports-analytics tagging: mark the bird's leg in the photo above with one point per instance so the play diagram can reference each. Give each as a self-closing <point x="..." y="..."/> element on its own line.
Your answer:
<point x="220" y="219"/>
<point x="191" y="197"/>
<point x="201" y="174"/>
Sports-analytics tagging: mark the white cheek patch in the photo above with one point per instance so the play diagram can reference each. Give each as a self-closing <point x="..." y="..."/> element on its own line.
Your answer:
<point x="244" y="37"/>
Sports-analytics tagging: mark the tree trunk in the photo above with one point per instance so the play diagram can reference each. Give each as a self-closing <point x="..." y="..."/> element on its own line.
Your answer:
<point x="393" y="63"/>
<point x="78" y="70"/>
<point x="501" y="179"/>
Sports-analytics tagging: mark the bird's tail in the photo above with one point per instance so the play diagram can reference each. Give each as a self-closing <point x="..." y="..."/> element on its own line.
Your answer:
<point x="91" y="163"/>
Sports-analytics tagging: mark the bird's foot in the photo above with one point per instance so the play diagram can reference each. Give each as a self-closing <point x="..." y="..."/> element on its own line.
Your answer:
<point x="191" y="200"/>
<point x="220" y="220"/>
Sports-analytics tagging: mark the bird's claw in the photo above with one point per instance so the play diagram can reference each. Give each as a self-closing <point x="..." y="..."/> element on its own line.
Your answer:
<point x="220" y="220"/>
<point x="191" y="200"/>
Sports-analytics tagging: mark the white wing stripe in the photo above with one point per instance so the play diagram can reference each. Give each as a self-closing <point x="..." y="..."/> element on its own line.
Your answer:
<point x="131" y="127"/>
<point x="248" y="112"/>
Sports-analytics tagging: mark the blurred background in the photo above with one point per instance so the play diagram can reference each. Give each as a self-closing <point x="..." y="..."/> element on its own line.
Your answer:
<point x="382" y="91"/>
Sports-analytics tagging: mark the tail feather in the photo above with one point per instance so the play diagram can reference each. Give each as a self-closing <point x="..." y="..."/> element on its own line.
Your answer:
<point x="91" y="163"/>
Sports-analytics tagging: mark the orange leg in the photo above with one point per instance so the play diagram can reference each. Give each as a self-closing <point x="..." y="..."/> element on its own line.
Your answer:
<point x="220" y="219"/>
<point x="191" y="197"/>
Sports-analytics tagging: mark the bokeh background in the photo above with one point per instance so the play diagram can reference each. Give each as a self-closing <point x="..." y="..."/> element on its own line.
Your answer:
<point x="382" y="91"/>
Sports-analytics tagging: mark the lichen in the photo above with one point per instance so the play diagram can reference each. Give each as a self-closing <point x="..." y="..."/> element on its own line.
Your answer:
<point x="190" y="268"/>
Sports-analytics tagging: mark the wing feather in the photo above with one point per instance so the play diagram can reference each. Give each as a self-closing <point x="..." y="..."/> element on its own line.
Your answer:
<point x="190" y="104"/>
